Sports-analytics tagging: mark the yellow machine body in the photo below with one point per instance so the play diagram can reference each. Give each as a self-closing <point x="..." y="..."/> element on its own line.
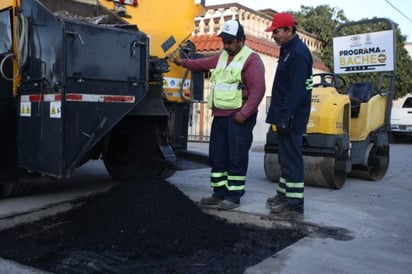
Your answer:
<point x="329" y="112"/>
<point x="370" y="118"/>
<point x="169" y="24"/>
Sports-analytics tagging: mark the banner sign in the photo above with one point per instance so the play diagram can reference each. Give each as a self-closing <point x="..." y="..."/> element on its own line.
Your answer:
<point x="368" y="52"/>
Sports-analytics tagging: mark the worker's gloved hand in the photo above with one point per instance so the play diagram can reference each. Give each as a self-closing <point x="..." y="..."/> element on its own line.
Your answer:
<point x="283" y="126"/>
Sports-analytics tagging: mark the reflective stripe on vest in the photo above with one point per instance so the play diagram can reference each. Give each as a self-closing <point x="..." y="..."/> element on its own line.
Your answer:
<point x="226" y="92"/>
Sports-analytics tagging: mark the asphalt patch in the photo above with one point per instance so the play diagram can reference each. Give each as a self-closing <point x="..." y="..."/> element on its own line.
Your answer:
<point x="148" y="226"/>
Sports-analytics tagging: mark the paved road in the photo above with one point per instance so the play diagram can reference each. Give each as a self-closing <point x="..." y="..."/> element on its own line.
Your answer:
<point x="362" y="228"/>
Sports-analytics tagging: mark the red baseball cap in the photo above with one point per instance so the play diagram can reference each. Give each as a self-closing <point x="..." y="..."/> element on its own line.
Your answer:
<point x="282" y="19"/>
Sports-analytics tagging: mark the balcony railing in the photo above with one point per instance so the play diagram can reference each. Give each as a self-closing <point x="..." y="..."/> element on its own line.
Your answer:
<point x="254" y="23"/>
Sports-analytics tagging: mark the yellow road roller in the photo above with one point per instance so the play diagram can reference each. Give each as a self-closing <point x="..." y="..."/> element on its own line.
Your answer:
<point x="349" y="125"/>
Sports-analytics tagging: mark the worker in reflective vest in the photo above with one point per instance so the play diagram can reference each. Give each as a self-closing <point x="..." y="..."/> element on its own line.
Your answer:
<point x="237" y="89"/>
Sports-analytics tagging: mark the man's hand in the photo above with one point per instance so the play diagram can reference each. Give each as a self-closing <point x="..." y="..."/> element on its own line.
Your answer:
<point x="177" y="60"/>
<point x="283" y="127"/>
<point x="238" y="118"/>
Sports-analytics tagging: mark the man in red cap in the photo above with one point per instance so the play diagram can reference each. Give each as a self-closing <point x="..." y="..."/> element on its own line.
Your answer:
<point x="237" y="88"/>
<point x="289" y="112"/>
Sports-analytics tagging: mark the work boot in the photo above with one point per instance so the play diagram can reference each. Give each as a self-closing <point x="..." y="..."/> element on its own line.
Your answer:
<point x="279" y="207"/>
<point x="288" y="213"/>
<point x="227" y="205"/>
<point x="273" y="201"/>
<point x="210" y="201"/>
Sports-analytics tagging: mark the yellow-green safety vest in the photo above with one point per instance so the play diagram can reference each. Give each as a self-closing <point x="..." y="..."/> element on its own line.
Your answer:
<point x="226" y="91"/>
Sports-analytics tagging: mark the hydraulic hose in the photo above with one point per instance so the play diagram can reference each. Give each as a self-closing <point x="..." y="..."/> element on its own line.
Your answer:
<point x="22" y="47"/>
<point x="10" y="55"/>
<point x="22" y="39"/>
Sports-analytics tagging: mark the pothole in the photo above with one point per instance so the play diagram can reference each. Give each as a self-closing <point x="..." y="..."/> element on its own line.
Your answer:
<point x="148" y="226"/>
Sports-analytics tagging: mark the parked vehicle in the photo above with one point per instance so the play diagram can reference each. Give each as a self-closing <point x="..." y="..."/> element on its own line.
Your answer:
<point x="401" y="119"/>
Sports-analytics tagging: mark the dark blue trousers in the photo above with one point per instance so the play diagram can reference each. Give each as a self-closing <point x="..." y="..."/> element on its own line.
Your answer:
<point x="291" y="183"/>
<point x="229" y="147"/>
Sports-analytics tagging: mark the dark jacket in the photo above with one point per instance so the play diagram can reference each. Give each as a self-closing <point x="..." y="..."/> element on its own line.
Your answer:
<point x="292" y="87"/>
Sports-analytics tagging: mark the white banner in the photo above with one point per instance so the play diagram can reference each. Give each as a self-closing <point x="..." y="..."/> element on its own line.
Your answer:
<point x="368" y="52"/>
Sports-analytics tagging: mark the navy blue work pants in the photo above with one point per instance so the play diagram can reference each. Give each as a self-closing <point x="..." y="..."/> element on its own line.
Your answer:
<point x="229" y="154"/>
<point x="290" y="157"/>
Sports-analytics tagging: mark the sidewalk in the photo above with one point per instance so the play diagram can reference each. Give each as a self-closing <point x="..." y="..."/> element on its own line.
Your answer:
<point x="364" y="227"/>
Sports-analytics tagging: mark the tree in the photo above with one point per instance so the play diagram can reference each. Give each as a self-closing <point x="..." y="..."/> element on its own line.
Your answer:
<point x="323" y="20"/>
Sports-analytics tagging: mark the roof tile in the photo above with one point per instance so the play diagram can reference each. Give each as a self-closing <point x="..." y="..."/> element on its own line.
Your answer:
<point x="207" y="42"/>
<point x="211" y="43"/>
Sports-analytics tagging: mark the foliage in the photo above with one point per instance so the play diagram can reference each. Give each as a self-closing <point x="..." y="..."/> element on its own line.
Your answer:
<point x="322" y="22"/>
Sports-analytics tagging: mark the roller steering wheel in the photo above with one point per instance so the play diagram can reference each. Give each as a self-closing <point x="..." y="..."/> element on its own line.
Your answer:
<point x="329" y="80"/>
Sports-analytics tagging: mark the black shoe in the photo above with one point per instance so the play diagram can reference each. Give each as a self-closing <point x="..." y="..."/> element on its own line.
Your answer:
<point x="287" y="213"/>
<point x="210" y="201"/>
<point x="279" y="207"/>
<point x="274" y="201"/>
<point x="227" y="205"/>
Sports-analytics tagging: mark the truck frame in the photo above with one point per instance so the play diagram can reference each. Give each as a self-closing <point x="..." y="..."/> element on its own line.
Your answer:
<point x="80" y="80"/>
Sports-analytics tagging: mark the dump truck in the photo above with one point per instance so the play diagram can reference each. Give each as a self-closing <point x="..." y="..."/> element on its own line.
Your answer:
<point x="349" y="124"/>
<point x="88" y="80"/>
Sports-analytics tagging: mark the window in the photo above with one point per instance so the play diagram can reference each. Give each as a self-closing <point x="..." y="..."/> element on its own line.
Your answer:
<point x="408" y="103"/>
